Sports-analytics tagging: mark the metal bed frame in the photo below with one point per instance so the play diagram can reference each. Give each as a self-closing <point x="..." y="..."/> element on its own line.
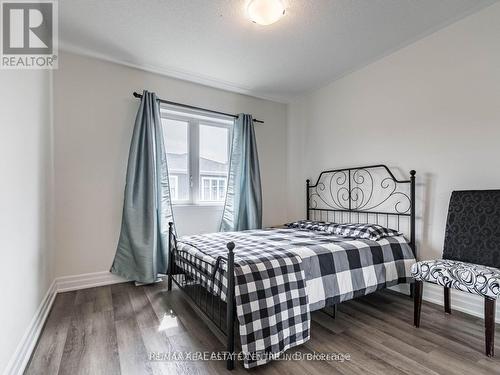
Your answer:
<point x="339" y="195"/>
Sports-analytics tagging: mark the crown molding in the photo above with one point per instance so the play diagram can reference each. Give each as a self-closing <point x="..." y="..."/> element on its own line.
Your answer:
<point x="173" y="73"/>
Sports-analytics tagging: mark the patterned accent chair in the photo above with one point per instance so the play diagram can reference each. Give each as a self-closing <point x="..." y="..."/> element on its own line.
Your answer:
<point x="471" y="256"/>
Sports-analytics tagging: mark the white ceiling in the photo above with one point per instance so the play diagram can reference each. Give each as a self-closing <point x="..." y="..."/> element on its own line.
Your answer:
<point x="212" y="42"/>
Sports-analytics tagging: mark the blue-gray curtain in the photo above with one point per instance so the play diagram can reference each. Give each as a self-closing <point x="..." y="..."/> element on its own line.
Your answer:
<point x="142" y="252"/>
<point x="243" y="207"/>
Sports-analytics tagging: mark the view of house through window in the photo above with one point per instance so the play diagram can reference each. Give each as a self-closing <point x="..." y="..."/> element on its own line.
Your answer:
<point x="197" y="155"/>
<point x="174" y="187"/>
<point x="176" y="143"/>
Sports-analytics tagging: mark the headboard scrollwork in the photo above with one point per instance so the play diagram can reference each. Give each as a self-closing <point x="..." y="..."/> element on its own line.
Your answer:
<point x="369" y="194"/>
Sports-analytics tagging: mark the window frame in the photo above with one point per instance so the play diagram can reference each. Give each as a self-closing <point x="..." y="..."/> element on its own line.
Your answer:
<point x="194" y="119"/>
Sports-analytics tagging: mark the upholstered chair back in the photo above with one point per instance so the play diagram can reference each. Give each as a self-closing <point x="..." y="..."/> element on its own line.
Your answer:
<point x="473" y="227"/>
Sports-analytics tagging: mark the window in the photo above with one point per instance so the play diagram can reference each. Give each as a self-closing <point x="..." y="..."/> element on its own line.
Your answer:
<point x="213" y="189"/>
<point x="174" y="187"/>
<point x="197" y="155"/>
<point x="176" y="143"/>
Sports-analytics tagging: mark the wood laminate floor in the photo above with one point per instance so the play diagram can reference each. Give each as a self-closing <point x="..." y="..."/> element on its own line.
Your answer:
<point x="112" y="329"/>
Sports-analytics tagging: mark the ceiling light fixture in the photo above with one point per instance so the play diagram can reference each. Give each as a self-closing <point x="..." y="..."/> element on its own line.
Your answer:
<point x="265" y="12"/>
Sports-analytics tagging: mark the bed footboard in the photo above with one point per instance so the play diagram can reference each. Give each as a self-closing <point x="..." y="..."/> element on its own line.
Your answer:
<point x="192" y="279"/>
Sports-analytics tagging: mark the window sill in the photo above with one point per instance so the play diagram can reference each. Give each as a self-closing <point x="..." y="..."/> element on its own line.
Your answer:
<point x="198" y="205"/>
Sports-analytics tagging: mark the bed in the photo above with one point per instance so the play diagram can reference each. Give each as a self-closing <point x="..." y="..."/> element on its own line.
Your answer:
<point x="265" y="283"/>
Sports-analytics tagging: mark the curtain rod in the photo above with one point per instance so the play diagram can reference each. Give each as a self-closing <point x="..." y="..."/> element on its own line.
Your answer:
<point x="137" y="95"/>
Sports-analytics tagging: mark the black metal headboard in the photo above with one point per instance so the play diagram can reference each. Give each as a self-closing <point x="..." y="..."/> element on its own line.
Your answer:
<point x="370" y="194"/>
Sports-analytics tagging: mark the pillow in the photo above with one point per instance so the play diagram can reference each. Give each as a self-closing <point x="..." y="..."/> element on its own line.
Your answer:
<point x="372" y="232"/>
<point x="322" y="226"/>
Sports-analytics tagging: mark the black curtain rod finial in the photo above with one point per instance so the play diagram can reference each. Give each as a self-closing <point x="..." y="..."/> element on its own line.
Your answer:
<point x="137" y="95"/>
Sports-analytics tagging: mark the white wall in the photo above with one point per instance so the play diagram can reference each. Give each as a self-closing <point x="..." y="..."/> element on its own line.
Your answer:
<point x="94" y="115"/>
<point x="433" y="106"/>
<point x="25" y="182"/>
<point x="192" y="219"/>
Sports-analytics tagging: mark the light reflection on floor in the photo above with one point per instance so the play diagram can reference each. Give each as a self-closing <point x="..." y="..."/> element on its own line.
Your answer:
<point x="168" y="321"/>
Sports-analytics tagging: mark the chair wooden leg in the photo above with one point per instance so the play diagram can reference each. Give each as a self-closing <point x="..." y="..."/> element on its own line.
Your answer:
<point x="412" y="290"/>
<point x="417" y="302"/>
<point x="447" y="304"/>
<point x="489" y="325"/>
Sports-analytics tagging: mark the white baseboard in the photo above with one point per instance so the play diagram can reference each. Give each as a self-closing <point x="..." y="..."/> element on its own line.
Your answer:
<point x="86" y="280"/>
<point x="22" y="354"/>
<point x="401" y="288"/>
<point x="460" y="301"/>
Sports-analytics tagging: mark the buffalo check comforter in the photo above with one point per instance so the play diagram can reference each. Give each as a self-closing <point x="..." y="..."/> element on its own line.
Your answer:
<point x="281" y="275"/>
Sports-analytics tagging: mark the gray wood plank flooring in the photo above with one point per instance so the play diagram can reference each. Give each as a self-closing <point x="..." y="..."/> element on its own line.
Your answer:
<point x="113" y="329"/>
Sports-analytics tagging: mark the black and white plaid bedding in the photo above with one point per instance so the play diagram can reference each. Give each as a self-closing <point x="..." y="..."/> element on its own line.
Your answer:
<point x="283" y="274"/>
<point x="369" y="231"/>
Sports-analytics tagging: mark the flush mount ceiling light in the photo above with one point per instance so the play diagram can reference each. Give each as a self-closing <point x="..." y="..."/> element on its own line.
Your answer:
<point x="265" y="12"/>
